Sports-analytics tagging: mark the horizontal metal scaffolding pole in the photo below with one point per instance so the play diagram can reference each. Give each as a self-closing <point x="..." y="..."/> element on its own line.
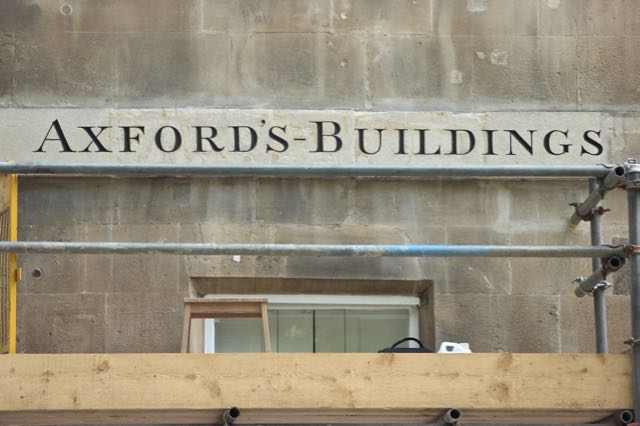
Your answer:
<point x="302" y="170"/>
<point x="364" y="250"/>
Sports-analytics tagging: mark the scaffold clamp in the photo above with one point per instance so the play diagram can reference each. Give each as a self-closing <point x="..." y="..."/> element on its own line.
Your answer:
<point x="632" y="249"/>
<point x="632" y="342"/>
<point x="587" y="217"/>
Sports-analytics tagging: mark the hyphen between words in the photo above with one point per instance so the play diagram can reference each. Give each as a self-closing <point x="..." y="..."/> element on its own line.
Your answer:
<point x="326" y="137"/>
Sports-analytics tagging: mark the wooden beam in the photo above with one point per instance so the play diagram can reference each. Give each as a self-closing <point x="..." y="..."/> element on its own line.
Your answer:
<point x="312" y="388"/>
<point x="226" y="308"/>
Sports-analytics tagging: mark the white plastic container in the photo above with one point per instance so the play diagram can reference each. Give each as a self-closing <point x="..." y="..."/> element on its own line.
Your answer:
<point x="454" y="348"/>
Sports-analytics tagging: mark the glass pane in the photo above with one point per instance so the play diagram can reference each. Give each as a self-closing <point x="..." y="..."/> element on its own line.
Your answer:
<point x="295" y="331"/>
<point x="273" y="329"/>
<point x="330" y="330"/>
<point x="336" y="330"/>
<point x="238" y="334"/>
<point x="370" y="331"/>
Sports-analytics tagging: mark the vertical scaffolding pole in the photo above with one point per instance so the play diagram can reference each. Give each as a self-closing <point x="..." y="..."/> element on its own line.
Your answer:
<point x="13" y="265"/>
<point x="599" y="301"/>
<point x="633" y="193"/>
<point x="8" y="269"/>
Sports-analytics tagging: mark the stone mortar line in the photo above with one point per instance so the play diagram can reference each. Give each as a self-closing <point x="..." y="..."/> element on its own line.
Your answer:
<point x="147" y="32"/>
<point x="221" y="32"/>
<point x="288" y="32"/>
<point x="472" y="79"/>
<point x="630" y="36"/>
<point x="431" y="24"/>
<point x="117" y="82"/>
<point x="253" y="194"/>
<point x="201" y="15"/>
<point x="367" y="75"/>
<point x="578" y="73"/>
<point x="537" y="18"/>
<point x="331" y="16"/>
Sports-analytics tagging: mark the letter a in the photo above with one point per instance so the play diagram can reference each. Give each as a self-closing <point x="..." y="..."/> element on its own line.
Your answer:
<point x="61" y="138"/>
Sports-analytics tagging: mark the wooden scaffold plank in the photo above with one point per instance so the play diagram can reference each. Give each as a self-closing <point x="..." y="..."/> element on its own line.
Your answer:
<point x="312" y="388"/>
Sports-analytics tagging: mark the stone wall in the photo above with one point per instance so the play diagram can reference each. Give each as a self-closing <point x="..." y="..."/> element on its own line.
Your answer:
<point x="458" y="55"/>
<point x="451" y="55"/>
<point x="133" y="303"/>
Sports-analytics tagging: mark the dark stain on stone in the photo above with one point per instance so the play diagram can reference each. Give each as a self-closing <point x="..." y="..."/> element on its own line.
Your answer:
<point x="150" y="76"/>
<point x="18" y="14"/>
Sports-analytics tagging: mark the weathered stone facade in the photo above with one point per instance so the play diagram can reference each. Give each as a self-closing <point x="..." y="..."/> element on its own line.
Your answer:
<point x="526" y="56"/>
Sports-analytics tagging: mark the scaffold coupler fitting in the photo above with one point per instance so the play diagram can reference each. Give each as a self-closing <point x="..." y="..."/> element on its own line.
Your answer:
<point x="598" y="280"/>
<point x="624" y="418"/>
<point x="230" y="416"/>
<point x="451" y="417"/>
<point x="632" y="341"/>
<point x="589" y="215"/>
<point x="581" y="291"/>
<point x="632" y="184"/>
<point x="586" y="210"/>
<point x="631" y="165"/>
<point x="602" y="285"/>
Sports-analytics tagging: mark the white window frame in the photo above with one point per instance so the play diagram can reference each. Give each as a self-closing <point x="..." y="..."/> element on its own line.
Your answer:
<point x="320" y="302"/>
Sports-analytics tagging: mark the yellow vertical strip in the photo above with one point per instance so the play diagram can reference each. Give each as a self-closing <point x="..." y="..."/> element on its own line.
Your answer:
<point x="13" y="268"/>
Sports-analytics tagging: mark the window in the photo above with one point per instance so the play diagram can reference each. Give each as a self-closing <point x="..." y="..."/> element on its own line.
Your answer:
<point x="318" y="323"/>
